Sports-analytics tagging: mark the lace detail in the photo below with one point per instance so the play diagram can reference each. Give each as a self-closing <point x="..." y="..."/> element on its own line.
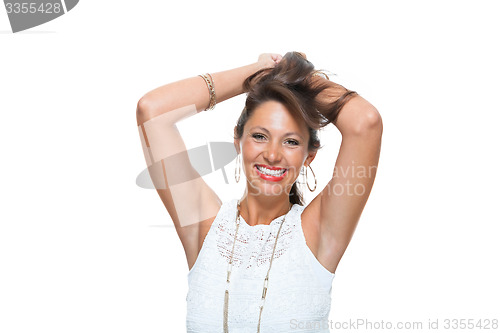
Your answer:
<point x="254" y="244"/>
<point x="299" y="291"/>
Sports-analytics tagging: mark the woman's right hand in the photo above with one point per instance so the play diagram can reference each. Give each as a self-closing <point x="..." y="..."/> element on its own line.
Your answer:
<point x="268" y="60"/>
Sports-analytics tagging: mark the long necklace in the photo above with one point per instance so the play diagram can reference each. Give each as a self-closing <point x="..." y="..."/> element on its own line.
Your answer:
<point x="230" y="266"/>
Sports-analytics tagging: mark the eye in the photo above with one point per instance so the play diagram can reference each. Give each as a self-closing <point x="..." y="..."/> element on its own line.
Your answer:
<point x="293" y="142"/>
<point x="258" y="136"/>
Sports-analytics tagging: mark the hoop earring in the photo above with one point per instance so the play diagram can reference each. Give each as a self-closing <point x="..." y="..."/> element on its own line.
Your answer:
<point x="303" y="178"/>
<point x="315" y="182"/>
<point x="238" y="164"/>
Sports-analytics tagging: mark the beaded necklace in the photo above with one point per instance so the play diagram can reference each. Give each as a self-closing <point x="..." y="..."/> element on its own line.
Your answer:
<point x="230" y="266"/>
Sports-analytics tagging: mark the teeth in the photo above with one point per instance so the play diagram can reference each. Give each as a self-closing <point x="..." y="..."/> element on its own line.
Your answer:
<point x="271" y="172"/>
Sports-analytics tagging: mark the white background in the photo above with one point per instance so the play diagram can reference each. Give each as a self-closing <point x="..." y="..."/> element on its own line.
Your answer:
<point x="84" y="249"/>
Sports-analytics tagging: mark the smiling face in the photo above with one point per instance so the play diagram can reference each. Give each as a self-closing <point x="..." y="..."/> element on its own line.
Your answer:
<point x="274" y="148"/>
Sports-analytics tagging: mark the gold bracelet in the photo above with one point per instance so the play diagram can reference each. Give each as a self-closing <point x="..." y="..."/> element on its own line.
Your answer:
<point x="211" y="89"/>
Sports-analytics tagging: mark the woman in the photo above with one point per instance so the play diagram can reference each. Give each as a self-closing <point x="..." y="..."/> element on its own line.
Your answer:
<point x="236" y="243"/>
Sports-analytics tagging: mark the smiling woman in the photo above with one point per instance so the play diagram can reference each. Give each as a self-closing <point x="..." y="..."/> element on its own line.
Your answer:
<point x="231" y="246"/>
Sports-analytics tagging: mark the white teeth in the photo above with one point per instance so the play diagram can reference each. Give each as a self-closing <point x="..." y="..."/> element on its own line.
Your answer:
<point x="271" y="172"/>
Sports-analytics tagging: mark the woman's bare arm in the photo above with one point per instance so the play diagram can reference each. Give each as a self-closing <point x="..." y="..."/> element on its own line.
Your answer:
<point x="191" y="203"/>
<point x="340" y="204"/>
<point x="344" y="197"/>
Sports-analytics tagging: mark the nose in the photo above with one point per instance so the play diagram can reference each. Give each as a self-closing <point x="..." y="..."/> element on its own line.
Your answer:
<point x="272" y="153"/>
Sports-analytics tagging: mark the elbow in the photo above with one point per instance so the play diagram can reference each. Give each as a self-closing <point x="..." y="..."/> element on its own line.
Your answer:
<point x="369" y="119"/>
<point x="359" y="117"/>
<point x="369" y="123"/>
<point x="143" y="104"/>
<point x="372" y="121"/>
<point x="151" y="105"/>
<point x="141" y="111"/>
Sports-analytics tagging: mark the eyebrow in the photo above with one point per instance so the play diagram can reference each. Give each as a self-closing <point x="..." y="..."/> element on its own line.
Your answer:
<point x="286" y="134"/>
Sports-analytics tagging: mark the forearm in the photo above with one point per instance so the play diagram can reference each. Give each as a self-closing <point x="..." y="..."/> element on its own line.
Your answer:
<point x="194" y="91"/>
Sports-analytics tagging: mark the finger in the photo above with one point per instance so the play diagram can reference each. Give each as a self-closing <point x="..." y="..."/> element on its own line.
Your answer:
<point x="276" y="58"/>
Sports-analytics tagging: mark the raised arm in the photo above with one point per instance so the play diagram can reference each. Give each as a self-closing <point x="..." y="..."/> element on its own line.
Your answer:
<point x="341" y="202"/>
<point x="193" y="91"/>
<point x="191" y="203"/>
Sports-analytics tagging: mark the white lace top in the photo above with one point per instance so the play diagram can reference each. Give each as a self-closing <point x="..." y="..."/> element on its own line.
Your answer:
<point x="299" y="289"/>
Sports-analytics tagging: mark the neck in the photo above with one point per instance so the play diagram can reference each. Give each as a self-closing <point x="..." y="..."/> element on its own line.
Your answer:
<point x="263" y="209"/>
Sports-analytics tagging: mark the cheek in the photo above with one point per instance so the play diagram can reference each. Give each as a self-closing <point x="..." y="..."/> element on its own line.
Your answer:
<point x="250" y="148"/>
<point x="296" y="159"/>
<point x="249" y="155"/>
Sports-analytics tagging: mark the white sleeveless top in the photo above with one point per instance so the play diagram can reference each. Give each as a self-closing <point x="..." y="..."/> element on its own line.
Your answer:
<point x="299" y="288"/>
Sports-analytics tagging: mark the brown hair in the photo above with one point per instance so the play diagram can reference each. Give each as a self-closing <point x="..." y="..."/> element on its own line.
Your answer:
<point x="291" y="82"/>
